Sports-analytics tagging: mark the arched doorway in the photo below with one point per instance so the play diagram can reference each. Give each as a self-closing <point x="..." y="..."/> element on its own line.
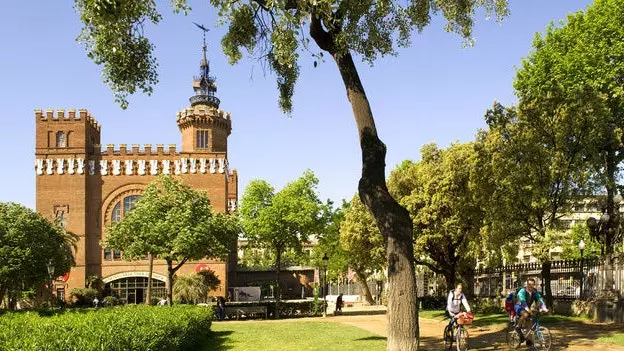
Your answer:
<point x="131" y="287"/>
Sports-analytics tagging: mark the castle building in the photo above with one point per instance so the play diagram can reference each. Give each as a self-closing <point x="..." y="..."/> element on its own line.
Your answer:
<point x="86" y="187"/>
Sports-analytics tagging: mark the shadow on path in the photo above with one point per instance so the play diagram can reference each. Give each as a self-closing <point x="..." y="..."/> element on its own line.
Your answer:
<point x="565" y="336"/>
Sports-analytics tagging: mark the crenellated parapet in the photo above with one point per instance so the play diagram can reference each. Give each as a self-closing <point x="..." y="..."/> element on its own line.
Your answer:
<point x="205" y="115"/>
<point x="117" y="165"/>
<point x="136" y="150"/>
<point x="61" y="115"/>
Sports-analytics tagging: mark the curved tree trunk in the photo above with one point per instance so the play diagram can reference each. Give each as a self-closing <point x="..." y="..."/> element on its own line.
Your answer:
<point x="362" y="281"/>
<point x="393" y="220"/>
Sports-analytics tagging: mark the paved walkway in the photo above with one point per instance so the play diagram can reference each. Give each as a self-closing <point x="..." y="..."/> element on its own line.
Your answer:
<point x="574" y="336"/>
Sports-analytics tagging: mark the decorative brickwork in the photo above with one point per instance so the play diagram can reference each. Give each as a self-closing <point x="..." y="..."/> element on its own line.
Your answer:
<point x="73" y="172"/>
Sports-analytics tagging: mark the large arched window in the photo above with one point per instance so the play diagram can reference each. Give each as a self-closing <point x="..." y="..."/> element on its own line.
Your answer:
<point x="119" y="211"/>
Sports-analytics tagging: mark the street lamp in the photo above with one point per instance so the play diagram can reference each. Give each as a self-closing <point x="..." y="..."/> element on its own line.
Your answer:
<point x="581" y="246"/>
<point x="50" y="267"/>
<point x="325" y="260"/>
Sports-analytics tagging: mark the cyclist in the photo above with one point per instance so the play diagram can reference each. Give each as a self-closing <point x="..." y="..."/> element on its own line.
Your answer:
<point x="525" y="298"/>
<point x="455" y="299"/>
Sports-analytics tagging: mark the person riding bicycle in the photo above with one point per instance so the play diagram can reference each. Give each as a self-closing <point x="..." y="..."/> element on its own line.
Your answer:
<point x="525" y="298"/>
<point x="453" y="305"/>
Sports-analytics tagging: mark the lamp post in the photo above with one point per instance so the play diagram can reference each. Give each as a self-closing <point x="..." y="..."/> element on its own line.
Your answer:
<point x="325" y="260"/>
<point x="50" y="267"/>
<point x="599" y="229"/>
<point x="581" y="246"/>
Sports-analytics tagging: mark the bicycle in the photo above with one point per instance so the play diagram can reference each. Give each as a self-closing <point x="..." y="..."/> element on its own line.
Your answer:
<point x="456" y="332"/>
<point x="539" y="335"/>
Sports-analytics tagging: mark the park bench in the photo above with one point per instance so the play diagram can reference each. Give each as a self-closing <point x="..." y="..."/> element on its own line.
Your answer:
<point x="246" y="311"/>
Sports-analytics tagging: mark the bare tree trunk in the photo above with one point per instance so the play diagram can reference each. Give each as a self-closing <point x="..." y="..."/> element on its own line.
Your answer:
<point x="610" y="167"/>
<point x="362" y="280"/>
<point x="467" y="276"/>
<point x="450" y="278"/>
<point x="393" y="220"/>
<point x="148" y="295"/>
<point x="170" y="273"/>
<point x="278" y="292"/>
<point x="546" y="282"/>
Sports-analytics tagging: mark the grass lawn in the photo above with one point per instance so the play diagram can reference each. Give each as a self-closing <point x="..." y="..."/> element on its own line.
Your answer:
<point x="291" y="335"/>
<point x="617" y="339"/>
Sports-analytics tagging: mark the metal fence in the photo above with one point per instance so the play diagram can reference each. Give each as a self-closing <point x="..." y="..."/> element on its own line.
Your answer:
<point x="567" y="278"/>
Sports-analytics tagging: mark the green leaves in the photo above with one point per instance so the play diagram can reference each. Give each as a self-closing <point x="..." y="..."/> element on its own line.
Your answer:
<point x="282" y="220"/>
<point x="276" y="32"/>
<point x="173" y="222"/>
<point x="361" y="239"/>
<point x="113" y="35"/>
<point x="27" y="243"/>
<point x="439" y="194"/>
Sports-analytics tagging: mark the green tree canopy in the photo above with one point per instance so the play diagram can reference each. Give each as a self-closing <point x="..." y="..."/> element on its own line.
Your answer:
<point x="363" y="243"/>
<point x="174" y="223"/>
<point x="530" y="170"/>
<point x="573" y="83"/>
<point x="28" y="242"/>
<point x="444" y="206"/>
<point x="278" y="32"/>
<point x="283" y="220"/>
<point x="570" y="240"/>
<point x="328" y="242"/>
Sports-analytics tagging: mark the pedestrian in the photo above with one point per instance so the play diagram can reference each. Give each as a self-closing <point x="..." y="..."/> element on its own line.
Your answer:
<point x="339" y="304"/>
<point x="221" y="307"/>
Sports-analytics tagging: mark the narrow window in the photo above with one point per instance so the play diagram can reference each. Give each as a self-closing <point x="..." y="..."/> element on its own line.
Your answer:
<point x="201" y="139"/>
<point x="107" y="254"/>
<point x="116" y="255"/>
<point x="61" y="219"/>
<point x="60" y="139"/>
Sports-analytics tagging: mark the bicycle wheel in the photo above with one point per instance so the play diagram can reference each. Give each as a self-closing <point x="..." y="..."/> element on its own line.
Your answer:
<point x="448" y="337"/>
<point x="512" y="337"/>
<point x="542" y="340"/>
<point x="462" y="338"/>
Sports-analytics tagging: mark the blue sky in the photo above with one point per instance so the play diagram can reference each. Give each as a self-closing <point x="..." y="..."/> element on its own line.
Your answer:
<point x="434" y="91"/>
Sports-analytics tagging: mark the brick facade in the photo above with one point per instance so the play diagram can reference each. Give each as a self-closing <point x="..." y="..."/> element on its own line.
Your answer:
<point x="81" y="182"/>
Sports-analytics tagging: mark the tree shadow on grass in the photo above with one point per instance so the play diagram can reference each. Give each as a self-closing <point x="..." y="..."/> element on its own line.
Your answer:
<point x="216" y="341"/>
<point x="371" y="338"/>
<point x="490" y="320"/>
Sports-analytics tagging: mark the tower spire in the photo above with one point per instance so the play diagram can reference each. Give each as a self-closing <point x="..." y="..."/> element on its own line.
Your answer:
<point x="204" y="85"/>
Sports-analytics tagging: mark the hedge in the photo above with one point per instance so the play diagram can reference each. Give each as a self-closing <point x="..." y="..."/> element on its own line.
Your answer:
<point x="132" y="327"/>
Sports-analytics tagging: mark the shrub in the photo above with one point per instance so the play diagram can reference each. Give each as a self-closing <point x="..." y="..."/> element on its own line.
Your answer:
<point x="432" y="303"/>
<point x="83" y="297"/>
<point x="134" y="328"/>
<point x="487" y="305"/>
<point x="112" y="301"/>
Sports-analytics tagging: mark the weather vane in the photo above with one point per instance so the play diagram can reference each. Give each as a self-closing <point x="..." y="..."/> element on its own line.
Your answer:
<point x="204" y="30"/>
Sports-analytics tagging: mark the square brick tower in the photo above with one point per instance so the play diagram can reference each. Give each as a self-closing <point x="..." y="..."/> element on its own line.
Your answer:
<point x="87" y="188"/>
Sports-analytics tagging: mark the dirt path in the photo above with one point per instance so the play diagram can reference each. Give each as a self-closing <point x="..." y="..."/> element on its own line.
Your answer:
<point x="574" y="336"/>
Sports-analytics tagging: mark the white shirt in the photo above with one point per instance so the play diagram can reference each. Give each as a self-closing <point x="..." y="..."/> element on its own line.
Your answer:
<point x="454" y="303"/>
